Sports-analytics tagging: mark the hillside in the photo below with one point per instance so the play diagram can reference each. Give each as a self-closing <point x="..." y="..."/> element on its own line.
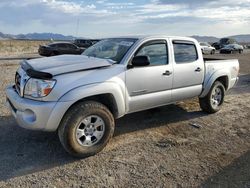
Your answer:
<point x="55" y="36"/>
<point x="37" y="36"/>
<point x="205" y="38"/>
<point x="211" y="39"/>
<point x="241" y="38"/>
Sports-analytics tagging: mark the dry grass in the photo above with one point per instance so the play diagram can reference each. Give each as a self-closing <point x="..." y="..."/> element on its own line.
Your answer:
<point x="17" y="47"/>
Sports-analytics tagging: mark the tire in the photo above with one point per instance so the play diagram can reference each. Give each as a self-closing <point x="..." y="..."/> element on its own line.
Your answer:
<point x="240" y="51"/>
<point x="213" y="101"/>
<point x="76" y="132"/>
<point x="212" y="52"/>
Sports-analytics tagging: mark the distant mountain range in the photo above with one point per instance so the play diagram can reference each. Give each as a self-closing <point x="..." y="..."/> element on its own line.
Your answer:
<point x="242" y="38"/>
<point x="205" y="38"/>
<point x="37" y="36"/>
<point x="238" y="38"/>
<point x="47" y="36"/>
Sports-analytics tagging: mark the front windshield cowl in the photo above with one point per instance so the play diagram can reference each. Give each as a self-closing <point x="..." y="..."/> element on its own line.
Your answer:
<point x="110" y="49"/>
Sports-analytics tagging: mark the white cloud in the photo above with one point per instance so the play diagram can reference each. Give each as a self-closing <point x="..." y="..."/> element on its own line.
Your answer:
<point x="159" y="8"/>
<point x="73" y="7"/>
<point x="109" y="16"/>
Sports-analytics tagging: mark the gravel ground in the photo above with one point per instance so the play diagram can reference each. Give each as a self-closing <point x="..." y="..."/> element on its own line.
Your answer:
<point x="154" y="148"/>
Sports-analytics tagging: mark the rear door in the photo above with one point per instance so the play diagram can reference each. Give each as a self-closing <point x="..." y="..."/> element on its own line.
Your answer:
<point x="188" y="70"/>
<point x="150" y="86"/>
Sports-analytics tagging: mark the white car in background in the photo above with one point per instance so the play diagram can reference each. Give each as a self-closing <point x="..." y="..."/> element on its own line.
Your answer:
<point x="206" y="48"/>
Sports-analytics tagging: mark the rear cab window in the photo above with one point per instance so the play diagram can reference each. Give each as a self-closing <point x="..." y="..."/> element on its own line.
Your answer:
<point x="184" y="52"/>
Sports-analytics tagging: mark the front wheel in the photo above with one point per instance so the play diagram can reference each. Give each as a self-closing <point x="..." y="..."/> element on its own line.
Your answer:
<point x="213" y="101"/>
<point x="212" y="52"/>
<point x="86" y="129"/>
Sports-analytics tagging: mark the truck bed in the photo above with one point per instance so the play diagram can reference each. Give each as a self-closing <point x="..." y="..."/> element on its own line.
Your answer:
<point x="223" y="67"/>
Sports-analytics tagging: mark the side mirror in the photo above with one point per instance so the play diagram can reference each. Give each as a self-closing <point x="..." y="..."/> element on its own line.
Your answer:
<point x="139" y="61"/>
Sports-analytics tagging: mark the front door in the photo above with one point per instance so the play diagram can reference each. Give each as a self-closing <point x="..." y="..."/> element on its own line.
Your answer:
<point x="150" y="86"/>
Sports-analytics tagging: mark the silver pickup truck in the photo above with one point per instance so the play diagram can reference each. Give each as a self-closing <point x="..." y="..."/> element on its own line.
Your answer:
<point x="80" y="95"/>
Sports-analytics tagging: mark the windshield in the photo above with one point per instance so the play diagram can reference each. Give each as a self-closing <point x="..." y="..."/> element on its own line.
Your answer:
<point x="113" y="49"/>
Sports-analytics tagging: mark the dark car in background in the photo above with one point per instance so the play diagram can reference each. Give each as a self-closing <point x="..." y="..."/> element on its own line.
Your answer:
<point x="59" y="48"/>
<point x="85" y="43"/>
<point x="223" y="42"/>
<point x="232" y="48"/>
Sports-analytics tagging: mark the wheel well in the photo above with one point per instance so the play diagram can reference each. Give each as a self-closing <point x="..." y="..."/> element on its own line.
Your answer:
<point x="224" y="81"/>
<point x="106" y="99"/>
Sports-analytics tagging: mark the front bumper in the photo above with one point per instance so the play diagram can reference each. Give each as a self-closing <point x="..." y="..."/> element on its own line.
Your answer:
<point x="35" y="115"/>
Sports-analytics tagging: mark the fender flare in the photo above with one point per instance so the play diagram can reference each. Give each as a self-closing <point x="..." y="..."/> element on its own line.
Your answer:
<point x="85" y="91"/>
<point x="210" y="81"/>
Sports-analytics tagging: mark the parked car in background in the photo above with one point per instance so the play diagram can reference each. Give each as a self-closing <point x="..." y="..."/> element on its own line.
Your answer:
<point x="232" y="48"/>
<point x="85" y="43"/>
<point x="206" y="48"/>
<point x="223" y="42"/>
<point x="59" y="48"/>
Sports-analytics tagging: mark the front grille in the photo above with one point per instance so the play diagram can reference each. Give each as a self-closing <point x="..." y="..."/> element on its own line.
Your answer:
<point x="18" y="83"/>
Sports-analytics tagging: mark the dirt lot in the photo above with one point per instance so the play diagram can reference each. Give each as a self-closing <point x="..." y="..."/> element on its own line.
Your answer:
<point x="154" y="148"/>
<point x="19" y="47"/>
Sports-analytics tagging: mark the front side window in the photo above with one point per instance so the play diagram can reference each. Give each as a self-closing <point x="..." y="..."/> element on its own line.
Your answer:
<point x="157" y="53"/>
<point x="185" y="52"/>
<point x="113" y="49"/>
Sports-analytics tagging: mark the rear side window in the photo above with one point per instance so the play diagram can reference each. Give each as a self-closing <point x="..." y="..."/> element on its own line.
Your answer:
<point x="185" y="52"/>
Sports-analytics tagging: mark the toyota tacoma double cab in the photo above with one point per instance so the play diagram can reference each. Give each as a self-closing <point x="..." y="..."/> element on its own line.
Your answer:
<point x="80" y="96"/>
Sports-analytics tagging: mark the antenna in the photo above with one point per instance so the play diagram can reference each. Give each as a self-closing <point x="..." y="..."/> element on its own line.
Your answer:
<point x="77" y="26"/>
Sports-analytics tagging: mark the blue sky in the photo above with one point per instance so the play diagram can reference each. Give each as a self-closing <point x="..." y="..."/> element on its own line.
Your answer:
<point x="104" y="18"/>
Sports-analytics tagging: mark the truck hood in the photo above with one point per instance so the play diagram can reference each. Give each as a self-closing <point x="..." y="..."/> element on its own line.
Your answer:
<point x="63" y="64"/>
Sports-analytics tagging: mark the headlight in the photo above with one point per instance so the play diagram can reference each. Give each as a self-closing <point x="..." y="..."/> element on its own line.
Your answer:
<point x="38" y="88"/>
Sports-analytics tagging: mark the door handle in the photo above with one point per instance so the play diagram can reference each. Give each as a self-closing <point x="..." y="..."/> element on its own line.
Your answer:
<point x="198" y="69"/>
<point x="167" y="73"/>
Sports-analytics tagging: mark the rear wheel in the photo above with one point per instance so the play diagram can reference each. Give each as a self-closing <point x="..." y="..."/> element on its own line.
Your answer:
<point x="212" y="52"/>
<point x="213" y="101"/>
<point x="86" y="129"/>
